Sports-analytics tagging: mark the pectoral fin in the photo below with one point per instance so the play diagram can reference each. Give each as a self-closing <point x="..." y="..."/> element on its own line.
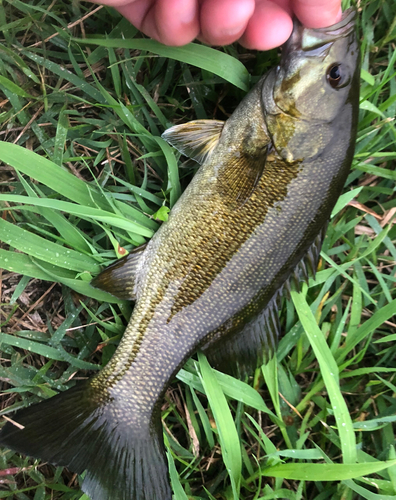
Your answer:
<point x="119" y="278"/>
<point x="241" y="175"/>
<point x="196" y="139"/>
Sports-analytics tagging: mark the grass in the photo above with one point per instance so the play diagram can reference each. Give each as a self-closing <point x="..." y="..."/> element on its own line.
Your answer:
<point x="86" y="175"/>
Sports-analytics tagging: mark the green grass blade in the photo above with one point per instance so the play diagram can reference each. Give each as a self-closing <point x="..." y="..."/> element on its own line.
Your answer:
<point x="50" y="174"/>
<point x="201" y="56"/>
<point x="83" y="212"/>
<point x="365" y="493"/>
<point x="368" y="327"/>
<point x="177" y="487"/>
<point x="45" y="250"/>
<point x="66" y="74"/>
<point x="173" y="171"/>
<point x="60" y="138"/>
<point x="325" y="472"/>
<point x="344" y="199"/>
<point x="63" y="182"/>
<point x="329" y="371"/>
<point x="31" y="346"/>
<point x="22" y="264"/>
<point x="228" y="434"/>
<point x="12" y="87"/>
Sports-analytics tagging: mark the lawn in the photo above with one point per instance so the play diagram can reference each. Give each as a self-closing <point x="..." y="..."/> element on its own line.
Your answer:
<point x="85" y="177"/>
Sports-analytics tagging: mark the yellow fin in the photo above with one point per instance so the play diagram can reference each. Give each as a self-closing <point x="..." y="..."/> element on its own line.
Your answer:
<point x="196" y="139"/>
<point x="119" y="278"/>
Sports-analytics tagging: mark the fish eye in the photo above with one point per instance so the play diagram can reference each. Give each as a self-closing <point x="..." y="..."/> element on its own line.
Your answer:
<point x="336" y="76"/>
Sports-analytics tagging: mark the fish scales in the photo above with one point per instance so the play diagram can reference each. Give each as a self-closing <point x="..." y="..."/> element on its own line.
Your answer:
<point x="211" y="275"/>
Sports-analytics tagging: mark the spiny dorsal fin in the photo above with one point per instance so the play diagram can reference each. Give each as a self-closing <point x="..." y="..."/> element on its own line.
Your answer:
<point x="196" y="139"/>
<point x="119" y="278"/>
<point x="307" y="265"/>
<point x="241" y="354"/>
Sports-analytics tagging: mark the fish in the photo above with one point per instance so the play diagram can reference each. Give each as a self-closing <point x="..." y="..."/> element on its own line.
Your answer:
<point x="250" y="222"/>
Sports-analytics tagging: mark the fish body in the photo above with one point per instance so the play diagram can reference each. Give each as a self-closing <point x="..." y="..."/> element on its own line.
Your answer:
<point x="210" y="276"/>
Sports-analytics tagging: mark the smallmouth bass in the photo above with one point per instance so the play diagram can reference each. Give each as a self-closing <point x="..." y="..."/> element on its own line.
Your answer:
<point x="251" y="217"/>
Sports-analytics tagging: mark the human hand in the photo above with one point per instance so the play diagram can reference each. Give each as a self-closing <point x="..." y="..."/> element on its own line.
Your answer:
<point x="257" y="24"/>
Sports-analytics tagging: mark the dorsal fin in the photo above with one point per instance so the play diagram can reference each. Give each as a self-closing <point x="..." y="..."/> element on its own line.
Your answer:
<point x="195" y="139"/>
<point x="241" y="354"/>
<point x="307" y="265"/>
<point x="119" y="278"/>
<point x="255" y="344"/>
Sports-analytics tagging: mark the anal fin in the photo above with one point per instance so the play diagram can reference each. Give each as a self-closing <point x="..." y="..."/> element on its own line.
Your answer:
<point x="119" y="278"/>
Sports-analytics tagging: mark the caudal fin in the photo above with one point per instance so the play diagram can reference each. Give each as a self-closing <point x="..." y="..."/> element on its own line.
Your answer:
<point x="82" y="431"/>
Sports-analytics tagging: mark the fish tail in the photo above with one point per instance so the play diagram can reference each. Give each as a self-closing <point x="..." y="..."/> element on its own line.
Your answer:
<point x="83" y="431"/>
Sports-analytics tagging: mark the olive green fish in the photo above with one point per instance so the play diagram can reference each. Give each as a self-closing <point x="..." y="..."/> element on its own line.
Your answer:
<point x="251" y="218"/>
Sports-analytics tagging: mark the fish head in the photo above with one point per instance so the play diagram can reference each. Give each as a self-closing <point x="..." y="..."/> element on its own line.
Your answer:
<point x="316" y="82"/>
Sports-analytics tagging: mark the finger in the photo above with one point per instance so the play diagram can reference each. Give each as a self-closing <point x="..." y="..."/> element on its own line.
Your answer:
<point x="177" y="21"/>
<point x="116" y="3"/>
<point x="138" y="12"/>
<point x="172" y="22"/>
<point x="270" y="26"/>
<point x="224" y="21"/>
<point x="317" y="13"/>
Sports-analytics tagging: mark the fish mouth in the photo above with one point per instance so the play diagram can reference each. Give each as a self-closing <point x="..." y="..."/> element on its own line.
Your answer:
<point x="343" y="27"/>
<point x="308" y="39"/>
